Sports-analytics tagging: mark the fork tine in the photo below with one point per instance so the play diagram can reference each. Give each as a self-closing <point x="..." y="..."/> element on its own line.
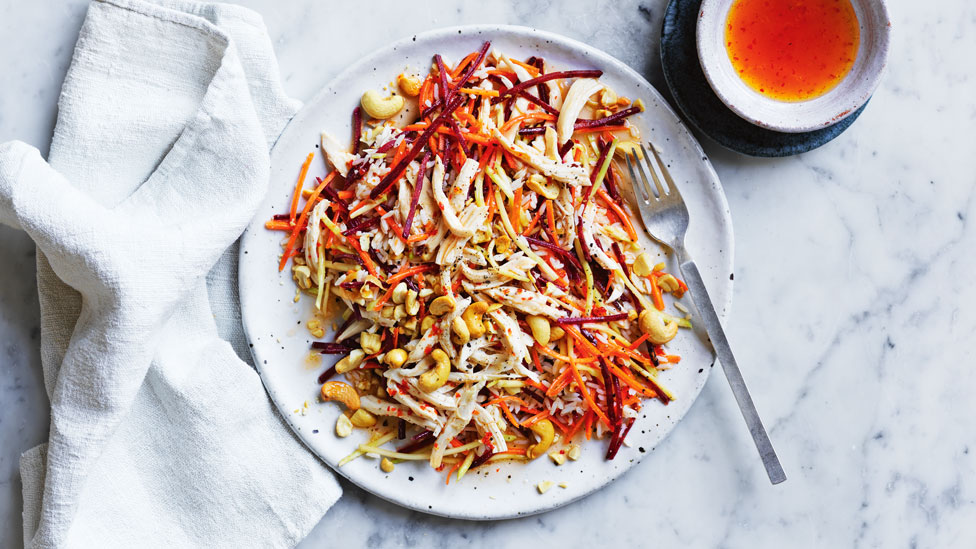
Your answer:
<point x="633" y="177"/>
<point x="672" y="187"/>
<point x="653" y="166"/>
<point x="643" y="172"/>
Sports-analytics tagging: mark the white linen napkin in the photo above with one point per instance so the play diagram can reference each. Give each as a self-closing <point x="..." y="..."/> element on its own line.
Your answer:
<point x="160" y="434"/>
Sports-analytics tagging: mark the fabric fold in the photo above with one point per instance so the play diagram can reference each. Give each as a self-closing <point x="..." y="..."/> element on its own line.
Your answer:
<point x="160" y="433"/>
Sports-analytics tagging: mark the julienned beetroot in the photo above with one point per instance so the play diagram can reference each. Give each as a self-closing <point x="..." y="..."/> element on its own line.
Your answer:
<point x="420" y="440"/>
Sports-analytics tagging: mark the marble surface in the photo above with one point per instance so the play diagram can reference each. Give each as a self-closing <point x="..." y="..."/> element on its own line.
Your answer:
<point x="851" y="320"/>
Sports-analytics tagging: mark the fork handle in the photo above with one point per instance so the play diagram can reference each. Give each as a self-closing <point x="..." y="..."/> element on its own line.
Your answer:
<point x="720" y="343"/>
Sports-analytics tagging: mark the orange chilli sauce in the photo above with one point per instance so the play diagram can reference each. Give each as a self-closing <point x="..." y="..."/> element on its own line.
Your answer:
<point x="792" y="50"/>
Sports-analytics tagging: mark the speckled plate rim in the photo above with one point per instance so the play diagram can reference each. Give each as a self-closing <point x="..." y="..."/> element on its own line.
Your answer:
<point x="273" y="323"/>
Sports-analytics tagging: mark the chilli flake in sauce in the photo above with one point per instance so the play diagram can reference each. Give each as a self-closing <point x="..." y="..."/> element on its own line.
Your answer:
<point x="792" y="50"/>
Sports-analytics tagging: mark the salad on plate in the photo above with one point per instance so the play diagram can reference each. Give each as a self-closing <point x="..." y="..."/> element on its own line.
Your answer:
<point x="475" y="253"/>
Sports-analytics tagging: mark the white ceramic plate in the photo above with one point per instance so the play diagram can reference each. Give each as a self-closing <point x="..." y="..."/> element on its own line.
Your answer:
<point x="280" y="342"/>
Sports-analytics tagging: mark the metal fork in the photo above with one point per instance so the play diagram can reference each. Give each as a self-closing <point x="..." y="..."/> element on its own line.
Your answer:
<point x="666" y="219"/>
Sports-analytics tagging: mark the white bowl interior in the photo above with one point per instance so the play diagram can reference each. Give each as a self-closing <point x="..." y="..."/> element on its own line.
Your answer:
<point x="801" y="116"/>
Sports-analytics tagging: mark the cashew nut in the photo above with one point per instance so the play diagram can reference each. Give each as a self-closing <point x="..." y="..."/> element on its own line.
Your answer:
<point x="399" y="312"/>
<point x="409" y="326"/>
<point x="473" y="318"/>
<point x="625" y="148"/>
<point x="541" y="331"/>
<point x="362" y="419"/>
<point x="556" y="333"/>
<point x="411" y="304"/>
<point x="395" y="358"/>
<point x="668" y="283"/>
<point x="351" y="361"/>
<point x="343" y="426"/>
<point x="608" y="98"/>
<point x="546" y="433"/>
<point x="503" y="244"/>
<point x="659" y="327"/>
<point x="400" y="293"/>
<point x="370" y="343"/>
<point x="381" y="107"/>
<point x="436" y="377"/>
<point x="574" y="452"/>
<point x="409" y="85"/>
<point x="442" y="305"/>
<point x="302" y="275"/>
<point x="643" y="265"/>
<point x="341" y="392"/>
<point x="461" y="332"/>
<point x="543" y="186"/>
<point x="315" y="328"/>
<point x="426" y="324"/>
<point x="386" y="465"/>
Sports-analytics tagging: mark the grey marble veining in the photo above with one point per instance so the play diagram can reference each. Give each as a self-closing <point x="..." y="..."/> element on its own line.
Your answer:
<point x="852" y="318"/>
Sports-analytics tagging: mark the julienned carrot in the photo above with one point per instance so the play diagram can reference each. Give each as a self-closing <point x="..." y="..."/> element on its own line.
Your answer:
<point x="478" y="91"/>
<point x="560" y="382"/>
<point x="536" y="418"/>
<point x="563" y="428"/>
<point x="590" y="349"/>
<point x="515" y="212"/>
<point x="631" y="382"/>
<point x="415" y="127"/>
<point x="656" y="297"/>
<point x="508" y="413"/>
<point x="367" y="261"/>
<point x="535" y="219"/>
<point x="475" y="137"/>
<point x="464" y="63"/>
<point x="587" y="396"/>
<point x="300" y="224"/>
<point x="410" y="272"/>
<point x="636" y="343"/>
<point x="385" y="297"/>
<point x="421" y="237"/>
<point x="553" y="354"/>
<point x="451" y="472"/>
<point x="278" y="225"/>
<point x="535" y="359"/>
<point x="528" y="68"/>
<point x="574" y="429"/>
<point x="298" y="187"/>
<point x="620" y="213"/>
